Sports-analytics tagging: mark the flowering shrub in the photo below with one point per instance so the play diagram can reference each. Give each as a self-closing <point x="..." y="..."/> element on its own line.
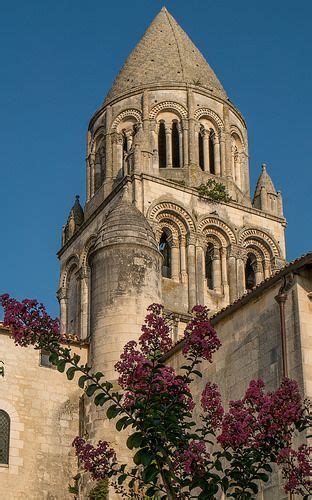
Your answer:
<point x="174" y="457"/>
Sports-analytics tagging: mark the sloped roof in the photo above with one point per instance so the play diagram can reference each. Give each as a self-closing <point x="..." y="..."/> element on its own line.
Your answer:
<point x="165" y="54"/>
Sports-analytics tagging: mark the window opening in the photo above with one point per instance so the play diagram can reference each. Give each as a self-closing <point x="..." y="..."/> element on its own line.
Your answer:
<point x="4" y="437"/>
<point x="162" y="156"/>
<point x="250" y="275"/>
<point x="211" y="153"/>
<point x="175" y="141"/>
<point x="208" y="266"/>
<point x="165" y="250"/>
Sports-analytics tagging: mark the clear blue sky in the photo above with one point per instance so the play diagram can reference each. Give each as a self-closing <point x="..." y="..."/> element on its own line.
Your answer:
<point x="58" y="60"/>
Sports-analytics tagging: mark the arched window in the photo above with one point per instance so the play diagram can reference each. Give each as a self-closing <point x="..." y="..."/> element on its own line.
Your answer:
<point x="208" y="266"/>
<point x="250" y="275"/>
<point x="175" y="141"/>
<point x="4" y="437"/>
<point x="165" y="250"/>
<point x="201" y="150"/>
<point x="162" y="154"/>
<point x="211" y="153"/>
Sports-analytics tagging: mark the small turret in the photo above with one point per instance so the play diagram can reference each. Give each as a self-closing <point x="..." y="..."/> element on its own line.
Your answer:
<point x="74" y="221"/>
<point x="266" y="197"/>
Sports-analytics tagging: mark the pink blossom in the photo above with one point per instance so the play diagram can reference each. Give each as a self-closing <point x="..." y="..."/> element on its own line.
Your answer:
<point x="29" y="322"/>
<point x="297" y="469"/>
<point x="194" y="459"/>
<point x="212" y="405"/>
<point x="263" y="421"/>
<point x="155" y="338"/>
<point x="96" y="460"/>
<point x="201" y="339"/>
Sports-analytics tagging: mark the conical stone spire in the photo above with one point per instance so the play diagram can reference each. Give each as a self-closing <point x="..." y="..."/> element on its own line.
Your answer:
<point x="165" y="55"/>
<point x="265" y="181"/>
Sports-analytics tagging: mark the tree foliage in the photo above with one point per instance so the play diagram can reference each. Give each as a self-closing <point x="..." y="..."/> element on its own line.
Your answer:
<point x="174" y="456"/>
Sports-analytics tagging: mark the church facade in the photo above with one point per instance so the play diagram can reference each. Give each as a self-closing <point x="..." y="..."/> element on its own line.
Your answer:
<point x="168" y="218"/>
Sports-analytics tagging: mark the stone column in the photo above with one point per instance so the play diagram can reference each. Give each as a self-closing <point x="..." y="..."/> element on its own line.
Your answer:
<point x="183" y="260"/>
<point x="228" y="142"/>
<point x="62" y="298"/>
<point x="216" y="270"/>
<point x="192" y="149"/>
<point x="222" y="154"/>
<point x="168" y="146"/>
<point x="241" y="258"/>
<point x="108" y="148"/>
<point x="216" y="148"/>
<point x="258" y="272"/>
<point x="180" y="146"/>
<point x="191" y="271"/>
<point x="200" y="269"/>
<point x="83" y="277"/>
<point x="175" y="260"/>
<point x="225" y="283"/>
<point x="145" y="109"/>
<point x="267" y="268"/>
<point x="206" y="151"/>
<point x="185" y="142"/>
<point x="91" y="161"/>
<point x="232" y="272"/>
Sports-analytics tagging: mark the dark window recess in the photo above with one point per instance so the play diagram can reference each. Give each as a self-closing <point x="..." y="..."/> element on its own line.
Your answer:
<point x="4" y="437"/>
<point x="162" y="156"/>
<point x="175" y="145"/>
<point x="211" y="154"/>
<point x="44" y="359"/>
<point x="208" y="266"/>
<point x="201" y="151"/>
<point x="250" y="275"/>
<point x="165" y="250"/>
<point x="124" y="143"/>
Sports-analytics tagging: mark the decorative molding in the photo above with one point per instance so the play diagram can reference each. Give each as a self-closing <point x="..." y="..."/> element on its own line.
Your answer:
<point x="71" y="263"/>
<point x="259" y="235"/>
<point x="236" y="130"/>
<point x="84" y="255"/>
<point x="162" y="106"/>
<point x="171" y="210"/>
<point x="220" y="226"/>
<point x="134" y="113"/>
<point x="199" y="113"/>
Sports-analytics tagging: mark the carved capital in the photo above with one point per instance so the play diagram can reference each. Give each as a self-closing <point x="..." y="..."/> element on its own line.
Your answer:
<point x="237" y="252"/>
<point x="61" y="294"/>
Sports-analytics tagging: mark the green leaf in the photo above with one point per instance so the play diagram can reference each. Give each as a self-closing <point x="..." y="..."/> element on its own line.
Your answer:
<point x="122" y="478"/>
<point x="150" y="473"/>
<point x="198" y="373"/>
<point x="71" y="372"/>
<point x="61" y="365"/>
<point x="120" y="423"/>
<point x="98" y="375"/>
<point x="112" y="412"/>
<point x="82" y="380"/>
<point x="263" y="477"/>
<point x="218" y="465"/>
<point x="135" y="440"/>
<point x="143" y="457"/>
<point x="100" y="399"/>
<point x="91" y="389"/>
<point x="53" y="358"/>
<point x="254" y="487"/>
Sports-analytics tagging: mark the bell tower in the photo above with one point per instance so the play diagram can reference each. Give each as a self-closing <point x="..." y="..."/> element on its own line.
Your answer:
<point x="168" y="213"/>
